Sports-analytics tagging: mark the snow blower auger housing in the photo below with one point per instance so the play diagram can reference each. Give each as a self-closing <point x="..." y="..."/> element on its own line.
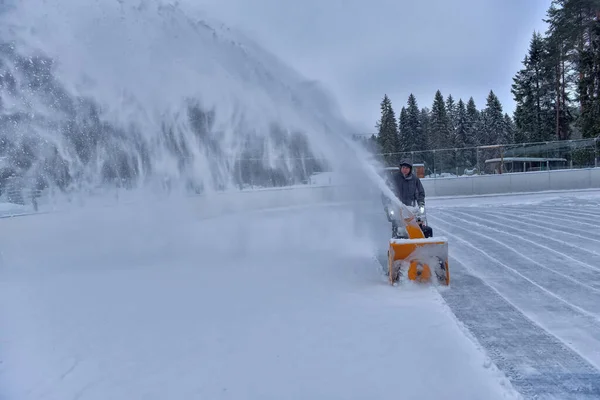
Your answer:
<point x="412" y="255"/>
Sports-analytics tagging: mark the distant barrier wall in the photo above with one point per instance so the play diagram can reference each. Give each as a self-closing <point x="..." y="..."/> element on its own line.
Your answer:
<point x="568" y="179"/>
<point x="231" y="202"/>
<point x="435" y="187"/>
<point x="214" y="205"/>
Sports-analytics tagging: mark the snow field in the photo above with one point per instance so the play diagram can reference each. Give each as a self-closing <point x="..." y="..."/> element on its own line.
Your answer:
<point x="134" y="303"/>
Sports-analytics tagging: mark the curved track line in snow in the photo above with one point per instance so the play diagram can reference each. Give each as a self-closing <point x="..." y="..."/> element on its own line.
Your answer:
<point x="558" y="320"/>
<point x="564" y="221"/>
<point x="558" y="286"/>
<point x="520" y="237"/>
<point x="567" y="230"/>
<point x="486" y="216"/>
<point x="538" y="363"/>
<point x="513" y="270"/>
<point x="589" y="209"/>
<point x="569" y="211"/>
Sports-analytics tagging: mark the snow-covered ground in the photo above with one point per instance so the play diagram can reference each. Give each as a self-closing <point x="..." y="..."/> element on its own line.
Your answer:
<point x="135" y="302"/>
<point x="526" y="282"/>
<point x="284" y="304"/>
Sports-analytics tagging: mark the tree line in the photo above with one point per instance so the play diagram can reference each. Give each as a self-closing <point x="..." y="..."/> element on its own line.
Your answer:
<point x="448" y="124"/>
<point x="557" y="95"/>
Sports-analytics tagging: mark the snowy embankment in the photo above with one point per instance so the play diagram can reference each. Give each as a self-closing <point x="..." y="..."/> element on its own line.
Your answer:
<point x="155" y="304"/>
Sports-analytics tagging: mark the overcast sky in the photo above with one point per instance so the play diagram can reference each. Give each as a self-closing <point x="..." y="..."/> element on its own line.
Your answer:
<point x="364" y="49"/>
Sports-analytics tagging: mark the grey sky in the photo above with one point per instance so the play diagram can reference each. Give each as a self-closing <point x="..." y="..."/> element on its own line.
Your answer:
<point x="363" y="49"/>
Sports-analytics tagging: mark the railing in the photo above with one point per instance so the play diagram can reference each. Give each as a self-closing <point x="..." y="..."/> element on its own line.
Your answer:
<point x="498" y="159"/>
<point x="19" y="191"/>
<point x="481" y="160"/>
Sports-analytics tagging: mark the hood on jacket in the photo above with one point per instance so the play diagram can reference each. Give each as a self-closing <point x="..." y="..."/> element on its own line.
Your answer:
<point x="408" y="163"/>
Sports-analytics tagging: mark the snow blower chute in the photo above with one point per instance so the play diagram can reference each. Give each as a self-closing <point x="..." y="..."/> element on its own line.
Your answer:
<point x="413" y="253"/>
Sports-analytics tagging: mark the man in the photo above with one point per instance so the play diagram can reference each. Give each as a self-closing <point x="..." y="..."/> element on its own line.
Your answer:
<point x="409" y="190"/>
<point x="407" y="186"/>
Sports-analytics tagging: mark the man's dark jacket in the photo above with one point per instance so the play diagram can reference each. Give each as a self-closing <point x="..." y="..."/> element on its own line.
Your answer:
<point x="409" y="189"/>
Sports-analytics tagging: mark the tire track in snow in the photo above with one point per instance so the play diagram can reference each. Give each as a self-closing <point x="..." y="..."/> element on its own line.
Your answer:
<point x="562" y="228"/>
<point x="558" y="317"/>
<point x="580" y="212"/>
<point x="488" y="267"/>
<point x="548" y="234"/>
<point x="559" y="285"/>
<point x="564" y="210"/>
<point x="564" y="219"/>
<point x="545" y="346"/>
<point x="591" y="272"/>
<point x="537" y="363"/>
<point x="565" y="362"/>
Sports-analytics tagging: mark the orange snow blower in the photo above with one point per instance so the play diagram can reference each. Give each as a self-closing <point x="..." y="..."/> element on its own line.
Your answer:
<point x="413" y="253"/>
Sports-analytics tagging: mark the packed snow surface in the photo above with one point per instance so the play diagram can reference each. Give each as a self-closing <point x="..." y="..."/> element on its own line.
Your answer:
<point x="159" y="301"/>
<point x="525" y="273"/>
<point x="139" y="302"/>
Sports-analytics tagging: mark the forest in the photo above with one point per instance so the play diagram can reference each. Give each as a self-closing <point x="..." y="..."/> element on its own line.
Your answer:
<point x="556" y="94"/>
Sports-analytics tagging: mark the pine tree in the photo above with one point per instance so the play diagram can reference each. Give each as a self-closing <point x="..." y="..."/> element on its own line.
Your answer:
<point x="509" y="129"/>
<point x="473" y="125"/>
<point x="417" y="139"/>
<point x="403" y="134"/>
<point x="388" y="131"/>
<point x="461" y="125"/>
<point x="463" y="155"/>
<point x="569" y="40"/>
<point x="425" y="123"/>
<point x="451" y="109"/>
<point x="440" y="123"/>
<point x="533" y="91"/>
<point x="441" y="136"/>
<point x="473" y="129"/>
<point x="493" y="121"/>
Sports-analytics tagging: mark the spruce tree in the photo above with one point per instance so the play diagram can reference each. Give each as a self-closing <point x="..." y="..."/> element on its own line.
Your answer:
<point x="425" y="122"/>
<point x="494" y="131"/>
<point x="440" y="123"/>
<point x="403" y="134"/>
<point x="388" y="131"/>
<point x="417" y="139"/>
<point x="441" y="135"/>
<point x="451" y="109"/>
<point x="473" y="123"/>
<point x="473" y="129"/>
<point x="463" y="155"/>
<point x="461" y="125"/>
<point x="509" y="129"/>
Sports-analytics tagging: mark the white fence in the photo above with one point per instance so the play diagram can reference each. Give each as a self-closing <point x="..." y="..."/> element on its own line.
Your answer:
<point x="205" y="206"/>
<point x="229" y="202"/>
<point x="568" y="179"/>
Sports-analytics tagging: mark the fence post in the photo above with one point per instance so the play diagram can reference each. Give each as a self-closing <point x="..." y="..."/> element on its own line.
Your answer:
<point x="596" y="152"/>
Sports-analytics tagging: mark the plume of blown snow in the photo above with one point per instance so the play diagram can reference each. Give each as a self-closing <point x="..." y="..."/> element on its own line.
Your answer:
<point x="140" y="68"/>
